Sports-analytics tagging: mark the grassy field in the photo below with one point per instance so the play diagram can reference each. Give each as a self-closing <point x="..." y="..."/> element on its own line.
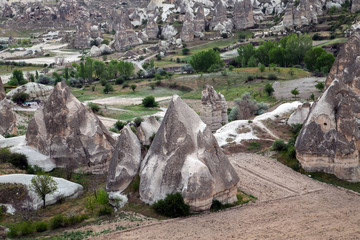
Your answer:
<point x="129" y="112"/>
<point x="6" y="69"/>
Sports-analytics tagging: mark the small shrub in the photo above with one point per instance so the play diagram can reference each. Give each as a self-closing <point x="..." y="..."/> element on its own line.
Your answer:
<point x="41" y="226"/>
<point x="119" y="81"/>
<point x="250" y="78"/>
<point x="149" y="102"/>
<point x="320" y="86"/>
<point x="185" y="51"/>
<point x="231" y="67"/>
<point x="138" y="121"/>
<point x="254" y="146"/>
<point x="152" y="86"/>
<point x="172" y="206"/>
<point x="102" y="197"/>
<point x="57" y="222"/>
<point x="279" y="145"/>
<point x="262" y="67"/>
<point x="272" y="76"/>
<point x="133" y="87"/>
<point x="125" y="85"/>
<point x="90" y="202"/>
<point x="18" y="160"/>
<point x="94" y="107"/>
<point x="20" y="97"/>
<point x="105" y="211"/>
<point x="133" y="128"/>
<point x="120" y="125"/>
<point x="269" y="89"/>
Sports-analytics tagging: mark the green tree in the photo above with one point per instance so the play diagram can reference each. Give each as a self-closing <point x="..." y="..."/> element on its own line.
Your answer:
<point x="149" y="102"/>
<point x="36" y="75"/>
<point x="126" y="69"/>
<point x="324" y="62"/>
<point x="320" y="86"/>
<point x="113" y="69"/>
<point x="108" y="88"/>
<point x="277" y="56"/>
<point x="262" y="53"/>
<point x="17" y="78"/>
<point x="296" y="46"/>
<point x="133" y="87"/>
<point x="99" y="68"/>
<point x="294" y="92"/>
<point x="89" y="70"/>
<point x="269" y="89"/>
<point x="42" y="185"/>
<point x="245" y="53"/>
<point x="252" y="62"/>
<point x="185" y="51"/>
<point x="262" y="67"/>
<point x="82" y="70"/>
<point x="66" y="73"/>
<point x="20" y="97"/>
<point x="311" y="56"/>
<point x="205" y="60"/>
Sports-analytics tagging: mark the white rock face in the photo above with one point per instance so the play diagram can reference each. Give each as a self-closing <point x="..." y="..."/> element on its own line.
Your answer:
<point x="168" y="31"/>
<point x="36" y="91"/>
<point x="95" y="51"/>
<point x="185" y="157"/>
<point x="146" y="130"/>
<point x="125" y="162"/>
<point x="300" y="114"/>
<point x="66" y="189"/>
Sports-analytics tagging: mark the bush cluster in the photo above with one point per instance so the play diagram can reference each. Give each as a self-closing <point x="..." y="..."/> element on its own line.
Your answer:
<point x="149" y="102"/>
<point x="20" y="97"/>
<point x="18" y="160"/>
<point x="172" y="206"/>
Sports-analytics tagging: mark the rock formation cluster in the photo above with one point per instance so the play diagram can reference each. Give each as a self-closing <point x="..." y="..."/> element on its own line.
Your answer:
<point x="7" y="118"/>
<point x="70" y="134"/>
<point x="36" y="91"/>
<point x="147" y="130"/>
<point x="185" y="157"/>
<point x="330" y="138"/>
<point x="214" y="108"/>
<point x="300" y="114"/>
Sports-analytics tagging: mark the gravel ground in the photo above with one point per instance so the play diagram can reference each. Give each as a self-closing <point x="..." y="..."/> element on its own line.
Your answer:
<point x="289" y="206"/>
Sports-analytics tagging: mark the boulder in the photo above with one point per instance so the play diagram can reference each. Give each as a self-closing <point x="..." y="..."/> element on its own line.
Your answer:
<point x="7" y="118"/>
<point x="36" y="91"/>
<point x="125" y="162"/>
<point x="3" y="233"/>
<point x="105" y="49"/>
<point x="147" y="129"/>
<point x="243" y="15"/>
<point x="168" y="31"/>
<point x="185" y="157"/>
<point x="300" y="114"/>
<point x="70" y="134"/>
<point x="214" y="108"/>
<point x="2" y="90"/>
<point x="330" y="138"/>
<point x="95" y="51"/>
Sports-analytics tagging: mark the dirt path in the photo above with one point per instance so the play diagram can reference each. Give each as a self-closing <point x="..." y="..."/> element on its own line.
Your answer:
<point x="289" y="206"/>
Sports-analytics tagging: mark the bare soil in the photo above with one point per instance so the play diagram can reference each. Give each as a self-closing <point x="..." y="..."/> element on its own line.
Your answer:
<point x="289" y="206"/>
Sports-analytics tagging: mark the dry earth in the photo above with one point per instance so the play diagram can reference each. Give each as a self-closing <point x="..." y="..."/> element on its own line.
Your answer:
<point x="289" y="206"/>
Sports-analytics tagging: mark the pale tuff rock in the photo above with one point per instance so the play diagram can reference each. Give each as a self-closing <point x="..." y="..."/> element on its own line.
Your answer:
<point x="36" y="91"/>
<point x="152" y="29"/>
<point x="70" y="134"/>
<point x="168" y="31"/>
<point x="147" y="129"/>
<point x="185" y="157"/>
<point x="82" y="37"/>
<point x="243" y="15"/>
<point x="125" y="162"/>
<point x="330" y="139"/>
<point x="300" y="114"/>
<point x="2" y="90"/>
<point x="199" y="22"/>
<point x="355" y="6"/>
<point x="305" y="13"/>
<point x="220" y="22"/>
<point x="7" y="118"/>
<point x="98" y="51"/>
<point x="214" y="108"/>
<point x="188" y="31"/>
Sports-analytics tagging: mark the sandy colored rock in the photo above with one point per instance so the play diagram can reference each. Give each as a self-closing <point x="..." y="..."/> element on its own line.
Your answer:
<point x="300" y="114"/>
<point x="125" y="162"/>
<point x="185" y="157"/>
<point x="152" y="29"/>
<point x="7" y="118"/>
<point x="70" y="134"/>
<point x="355" y="6"/>
<point x="243" y="15"/>
<point x="147" y="129"/>
<point x="214" y="108"/>
<point x="330" y="139"/>
<point x="199" y="21"/>
<point x="305" y="13"/>
<point x="188" y="30"/>
<point x="2" y="90"/>
<point x="36" y="91"/>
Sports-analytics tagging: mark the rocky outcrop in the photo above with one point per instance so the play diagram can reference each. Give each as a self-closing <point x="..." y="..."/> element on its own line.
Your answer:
<point x="355" y="6"/>
<point x="152" y="29"/>
<point x="125" y="162"/>
<point x="243" y="15"/>
<point x="305" y="13"/>
<point x="82" y="37"/>
<point x="71" y="135"/>
<point x="220" y="22"/>
<point x="300" y="114"/>
<point x="214" y="109"/>
<point x="98" y="51"/>
<point x="125" y="37"/>
<point x="185" y="157"/>
<point x="330" y="138"/>
<point x="7" y="118"/>
<point x="188" y="30"/>
<point x="168" y="31"/>
<point x="36" y="91"/>
<point x="199" y="22"/>
<point x="2" y="90"/>
<point x="147" y="130"/>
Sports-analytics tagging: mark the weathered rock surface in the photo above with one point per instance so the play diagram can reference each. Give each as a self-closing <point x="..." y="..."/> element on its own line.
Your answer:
<point x="147" y="129"/>
<point x="168" y="31"/>
<point x="82" y="38"/>
<point x="125" y="162"/>
<point x="2" y="90"/>
<point x="330" y="139"/>
<point x="300" y="114"/>
<point x="70" y="134"/>
<point x="98" y="51"/>
<point x="36" y="91"/>
<point x="7" y="118"/>
<point x="243" y="15"/>
<point x="152" y="29"/>
<point x="185" y="157"/>
<point x="220" y="22"/>
<point x="355" y="6"/>
<point x="199" y="22"/>
<point x="305" y="13"/>
<point x="214" y="108"/>
<point x="188" y="29"/>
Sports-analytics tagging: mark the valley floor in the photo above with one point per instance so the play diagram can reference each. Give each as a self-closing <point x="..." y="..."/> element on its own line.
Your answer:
<point x="289" y="206"/>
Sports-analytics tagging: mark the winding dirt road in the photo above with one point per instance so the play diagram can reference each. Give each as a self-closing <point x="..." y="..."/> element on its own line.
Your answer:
<point x="289" y="206"/>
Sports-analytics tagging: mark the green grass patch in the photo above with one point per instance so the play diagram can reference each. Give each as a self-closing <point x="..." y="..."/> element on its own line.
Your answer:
<point x="7" y="69"/>
<point x="131" y="112"/>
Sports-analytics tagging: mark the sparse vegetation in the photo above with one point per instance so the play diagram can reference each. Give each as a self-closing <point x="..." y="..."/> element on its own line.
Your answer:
<point x="172" y="206"/>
